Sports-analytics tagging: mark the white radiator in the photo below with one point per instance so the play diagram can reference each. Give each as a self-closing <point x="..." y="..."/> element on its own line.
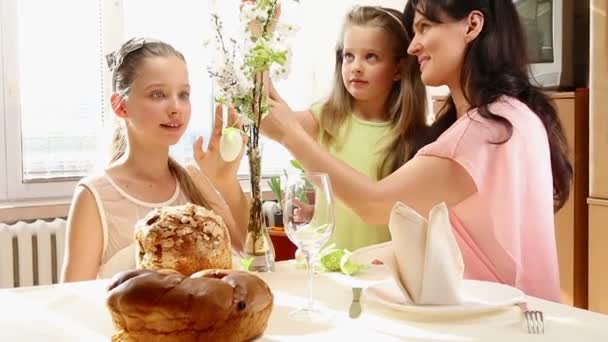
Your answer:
<point x="31" y="253"/>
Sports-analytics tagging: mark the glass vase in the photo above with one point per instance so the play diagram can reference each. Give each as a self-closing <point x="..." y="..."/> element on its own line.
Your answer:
<point x="258" y="244"/>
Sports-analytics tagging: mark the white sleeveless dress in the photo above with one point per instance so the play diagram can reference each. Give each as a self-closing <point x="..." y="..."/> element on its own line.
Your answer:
<point x="119" y="211"/>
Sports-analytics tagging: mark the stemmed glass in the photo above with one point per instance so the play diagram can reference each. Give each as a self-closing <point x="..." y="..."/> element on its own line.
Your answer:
<point x="308" y="217"/>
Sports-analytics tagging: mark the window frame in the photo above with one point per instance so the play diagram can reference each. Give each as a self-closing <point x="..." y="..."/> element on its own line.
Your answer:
<point x="12" y="184"/>
<point x="3" y="160"/>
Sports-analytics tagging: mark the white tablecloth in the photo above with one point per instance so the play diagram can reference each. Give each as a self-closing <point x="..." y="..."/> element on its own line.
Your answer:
<point x="77" y="312"/>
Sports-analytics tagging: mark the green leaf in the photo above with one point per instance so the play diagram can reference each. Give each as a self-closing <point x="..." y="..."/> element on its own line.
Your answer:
<point x="264" y="4"/>
<point x="296" y="164"/>
<point x="347" y="266"/>
<point x="246" y="263"/>
<point x="261" y="56"/>
<point x="330" y="258"/>
<point x="339" y="260"/>
<point x="275" y="185"/>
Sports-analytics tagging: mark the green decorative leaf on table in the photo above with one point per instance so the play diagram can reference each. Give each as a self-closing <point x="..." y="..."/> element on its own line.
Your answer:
<point x="330" y="258"/>
<point x="246" y="263"/>
<point x="338" y="260"/>
<point x="347" y="266"/>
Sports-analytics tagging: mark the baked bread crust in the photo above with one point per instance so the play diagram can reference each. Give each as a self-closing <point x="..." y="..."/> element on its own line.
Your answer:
<point x="211" y="305"/>
<point x="186" y="238"/>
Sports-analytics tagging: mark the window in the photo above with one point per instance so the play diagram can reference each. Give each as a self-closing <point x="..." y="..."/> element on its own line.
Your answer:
<point x="3" y="161"/>
<point x="185" y="25"/>
<point x="54" y="117"/>
<point x="60" y="87"/>
<point x="52" y="90"/>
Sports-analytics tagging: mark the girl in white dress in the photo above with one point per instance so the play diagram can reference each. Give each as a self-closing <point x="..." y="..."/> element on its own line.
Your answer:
<point x="151" y="101"/>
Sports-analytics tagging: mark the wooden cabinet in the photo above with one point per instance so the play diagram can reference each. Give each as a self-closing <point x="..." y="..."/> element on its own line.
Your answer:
<point x="571" y="221"/>
<point x="599" y="101"/>
<point x="598" y="255"/>
<point x="598" y="163"/>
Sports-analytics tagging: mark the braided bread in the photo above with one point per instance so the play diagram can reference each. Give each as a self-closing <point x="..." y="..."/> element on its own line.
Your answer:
<point x="211" y="305"/>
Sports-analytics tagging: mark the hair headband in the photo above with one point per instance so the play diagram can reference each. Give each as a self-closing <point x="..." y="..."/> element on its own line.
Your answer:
<point x="115" y="59"/>
<point x="392" y="15"/>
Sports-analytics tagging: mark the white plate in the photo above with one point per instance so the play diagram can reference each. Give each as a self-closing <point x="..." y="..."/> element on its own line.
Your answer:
<point x="478" y="297"/>
<point x="371" y="275"/>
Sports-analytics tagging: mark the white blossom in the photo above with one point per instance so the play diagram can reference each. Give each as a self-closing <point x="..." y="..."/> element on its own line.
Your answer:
<point x="250" y="13"/>
<point x="279" y="72"/>
<point x="233" y="59"/>
<point x="284" y="30"/>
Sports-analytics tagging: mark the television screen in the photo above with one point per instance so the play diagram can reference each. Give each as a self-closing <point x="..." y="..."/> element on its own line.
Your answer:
<point x="537" y="21"/>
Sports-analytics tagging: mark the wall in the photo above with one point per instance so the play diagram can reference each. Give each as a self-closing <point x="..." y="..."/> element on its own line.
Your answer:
<point x="314" y="54"/>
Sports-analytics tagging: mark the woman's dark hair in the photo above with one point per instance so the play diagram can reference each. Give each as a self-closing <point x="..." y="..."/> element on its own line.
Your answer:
<point x="496" y="64"/>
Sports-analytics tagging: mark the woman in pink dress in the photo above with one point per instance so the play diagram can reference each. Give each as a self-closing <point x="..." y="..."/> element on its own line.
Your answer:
<point x="496" y="154"/>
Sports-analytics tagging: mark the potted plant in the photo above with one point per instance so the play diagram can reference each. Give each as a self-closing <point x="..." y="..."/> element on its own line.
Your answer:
<point x="275" y="185"/>
<point x="308" y="195"/>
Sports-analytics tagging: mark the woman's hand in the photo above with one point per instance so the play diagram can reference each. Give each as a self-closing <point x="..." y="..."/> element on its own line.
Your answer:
<point x="211" y="161"/>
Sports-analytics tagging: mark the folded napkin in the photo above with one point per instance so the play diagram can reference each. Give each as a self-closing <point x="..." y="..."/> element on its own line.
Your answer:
<point x="423" y="256"/>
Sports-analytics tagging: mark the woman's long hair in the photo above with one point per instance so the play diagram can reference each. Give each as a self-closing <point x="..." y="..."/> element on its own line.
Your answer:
<point x="406" y="103"/>
<point x="496" y="64"/>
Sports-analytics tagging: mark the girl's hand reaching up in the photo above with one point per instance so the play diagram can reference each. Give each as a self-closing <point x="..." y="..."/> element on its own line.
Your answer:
<point x="281" y="121"/>
<point x="211" y="161"/>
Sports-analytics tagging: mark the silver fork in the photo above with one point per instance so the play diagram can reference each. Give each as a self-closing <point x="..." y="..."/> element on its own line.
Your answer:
<point x="534" y="319"/>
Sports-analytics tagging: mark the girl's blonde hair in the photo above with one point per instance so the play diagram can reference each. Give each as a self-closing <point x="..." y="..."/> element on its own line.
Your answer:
<point x="406" y="103"/>
<point x="124" y="65"/>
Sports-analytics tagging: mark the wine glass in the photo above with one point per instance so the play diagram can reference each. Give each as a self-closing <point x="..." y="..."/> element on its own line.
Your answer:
<point x="308" y="217"/>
